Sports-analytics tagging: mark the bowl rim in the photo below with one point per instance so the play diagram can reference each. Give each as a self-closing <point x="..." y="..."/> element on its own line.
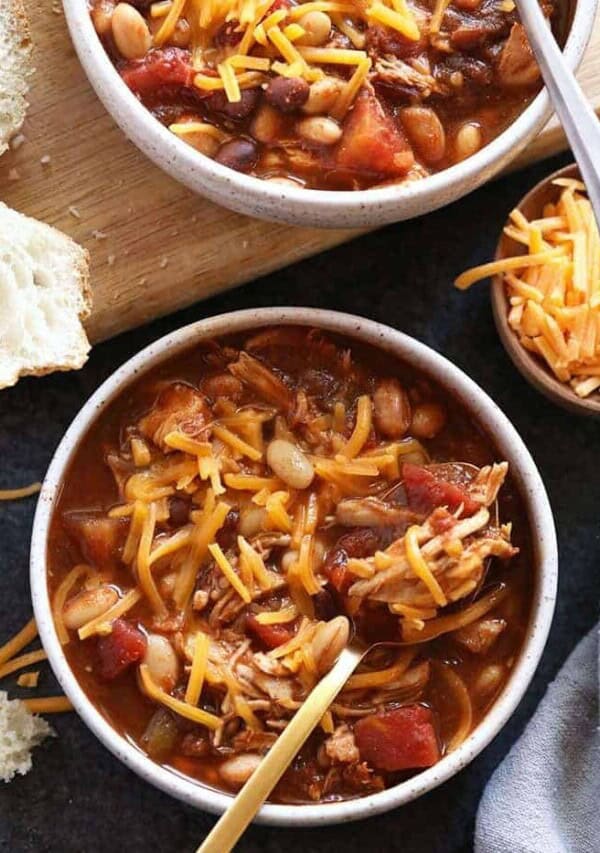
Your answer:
<point x="532" y="369"/>
<point x="425" y="359"/>
<point x="323" y="208"/>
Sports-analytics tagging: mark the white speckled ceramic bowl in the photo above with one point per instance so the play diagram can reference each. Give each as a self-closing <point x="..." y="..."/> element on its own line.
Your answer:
<point x="316" y="208"/>
<point x="484" y="410"/>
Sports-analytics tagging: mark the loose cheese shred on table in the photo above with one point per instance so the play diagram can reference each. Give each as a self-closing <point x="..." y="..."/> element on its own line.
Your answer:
<point x="18" y="642"/>
<point x="48" y="705"/>
<point x="16" y="494"/>
<point x="14" y="664"/>
<point x="554" y="287"/>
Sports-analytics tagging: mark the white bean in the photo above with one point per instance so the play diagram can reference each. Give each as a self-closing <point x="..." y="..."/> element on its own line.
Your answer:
<point x="290" y="464"/>
<point x="329" y="640"/>
<point x="130" y="32"/>
<point x="322" y="96"/>
<point x="237" y="770"/>
<point x="317" y="27"/>
<point x="162" y="662"/>
<point x="468" y="141"/>
<point x="320" y="130"/>
<point x="87" y="605"/>
<point x="427" y="420"/>
<point x="425" y="131"/>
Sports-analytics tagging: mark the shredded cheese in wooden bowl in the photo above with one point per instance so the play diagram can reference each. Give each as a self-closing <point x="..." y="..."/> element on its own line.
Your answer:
<point x="546" y="291"/>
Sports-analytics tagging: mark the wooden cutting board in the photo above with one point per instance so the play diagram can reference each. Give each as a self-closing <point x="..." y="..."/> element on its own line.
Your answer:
<point x="155" y="246"/>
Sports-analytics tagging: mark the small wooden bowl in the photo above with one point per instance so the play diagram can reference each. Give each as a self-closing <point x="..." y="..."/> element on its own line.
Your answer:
<point x="533" y="368"/>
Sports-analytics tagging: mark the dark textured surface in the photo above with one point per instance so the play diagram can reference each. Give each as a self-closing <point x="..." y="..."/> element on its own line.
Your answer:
<point x="77" y="797"/>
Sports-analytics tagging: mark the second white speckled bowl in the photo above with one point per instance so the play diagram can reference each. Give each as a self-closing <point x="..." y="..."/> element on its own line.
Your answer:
<point x="509" y="447"/>
<point x="297" y="206"/>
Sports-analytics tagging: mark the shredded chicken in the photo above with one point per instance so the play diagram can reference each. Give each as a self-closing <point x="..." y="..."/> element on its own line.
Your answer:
<point x="455" y="557"/>
<point x="479" y="637"/>
<point x="373" y="512"/>
<point x="263" y="381"/>
<point x="341" y="747"/>
<point x="412" y="75"/>
<point x="179" y="407"/>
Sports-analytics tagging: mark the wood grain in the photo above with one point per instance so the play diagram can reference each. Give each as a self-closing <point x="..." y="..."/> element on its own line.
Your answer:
<point x="155" y="246"/>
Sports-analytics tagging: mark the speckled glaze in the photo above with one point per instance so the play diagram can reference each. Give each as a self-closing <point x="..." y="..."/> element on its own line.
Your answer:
<point x="510" y="447"/>
<point x="315" y="208"/>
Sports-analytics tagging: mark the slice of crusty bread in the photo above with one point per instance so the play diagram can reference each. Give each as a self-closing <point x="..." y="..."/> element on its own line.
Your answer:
<point x="44" y="296"/>
<point x="20" y="731"/>
<point x="15" y="68"/>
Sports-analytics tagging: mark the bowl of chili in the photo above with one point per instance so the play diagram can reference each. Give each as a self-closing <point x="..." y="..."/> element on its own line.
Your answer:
<point x="382" y="399"/>
<point x="334" y="117"/>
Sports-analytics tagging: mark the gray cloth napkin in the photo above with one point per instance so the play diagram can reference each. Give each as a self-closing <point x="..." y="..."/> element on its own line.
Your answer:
<point x="545" y="796"/>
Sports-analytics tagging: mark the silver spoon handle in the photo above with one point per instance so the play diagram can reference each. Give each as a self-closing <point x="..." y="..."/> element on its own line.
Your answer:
<point x="577" y="117"/>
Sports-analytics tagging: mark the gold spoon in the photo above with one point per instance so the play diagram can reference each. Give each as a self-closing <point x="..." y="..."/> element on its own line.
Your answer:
<point x="228" y="829"/>
<point x="241" y="812"/>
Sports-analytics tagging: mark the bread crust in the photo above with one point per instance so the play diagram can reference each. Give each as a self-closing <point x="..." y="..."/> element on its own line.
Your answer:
<point x="18" y="37"/>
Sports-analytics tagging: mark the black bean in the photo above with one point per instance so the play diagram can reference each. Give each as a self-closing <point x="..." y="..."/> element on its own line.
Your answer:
<point x="287" y="94"/>
<point x="228" y="34"/>
<point x="227" y="535"/>
<point x="237" y="110"/>
<point x="239" y="154"/>
<point x="179" y="511"/>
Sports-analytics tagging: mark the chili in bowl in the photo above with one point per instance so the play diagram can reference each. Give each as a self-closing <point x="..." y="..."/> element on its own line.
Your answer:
<point x="403" y="106"/>
<point x="226" y="495"/>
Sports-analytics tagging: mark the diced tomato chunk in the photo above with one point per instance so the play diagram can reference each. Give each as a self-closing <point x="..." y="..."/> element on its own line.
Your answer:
<point x="124" y="646"/>
<point x="425" y="491"/>
<point x="403" y="739"/>
<point x="169" y="67"/>
<point x="271" y="636"/>
<point x="359" y="542"/>
<point x="372" y="142"/>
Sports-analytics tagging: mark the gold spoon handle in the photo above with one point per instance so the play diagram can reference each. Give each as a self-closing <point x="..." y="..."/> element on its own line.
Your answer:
<point x="241" y="812"/>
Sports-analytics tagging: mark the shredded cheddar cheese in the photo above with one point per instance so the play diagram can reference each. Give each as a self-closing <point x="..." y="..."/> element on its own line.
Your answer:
<point x="17" y="494"/>
<point x="277" y="617"/>
<point x="200" y="539"/>
<point x="22" y="661"/>
<point x="418" y="564"/>
<point x="554" y="289"/>
<point x="27" y="633"/>
<point x="183" y="709"/>
<point x="229" y="572"/>
<point x="48" y="705"/>
<point x="101" y="624"/>
<point x="362" y="428"/>
<point x="29" y="679"/>
<point x="198" y="670"/>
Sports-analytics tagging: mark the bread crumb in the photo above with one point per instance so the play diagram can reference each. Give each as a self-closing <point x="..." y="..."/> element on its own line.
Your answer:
<point x="17" y="141"/>
<point x="74" y="211"/>
<point x="45" y="160"/>
<point x="163" y="263"/>
<point x="111" y="260"/>
<point x="99" y="235"/>
<point x="13" y="175"/>
<point x="143" y="281"/>
<point x="20" y="732"/>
